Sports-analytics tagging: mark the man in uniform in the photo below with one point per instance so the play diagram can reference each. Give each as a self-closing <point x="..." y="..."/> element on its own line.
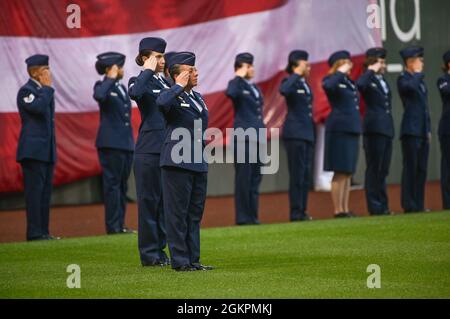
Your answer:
<point x="184" y="179"/>
<point x="114" y="142"/>
<point x="415" y="131"/>
<point x="36" y="151"/>
<point x="248" y="104"/>
<point x="378" y="129"/>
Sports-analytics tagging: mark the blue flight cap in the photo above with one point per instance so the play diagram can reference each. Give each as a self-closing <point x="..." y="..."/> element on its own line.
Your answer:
<point x="244" y="58"/>
<point x="153" y="44"/>
<point x="377" y="52"/>
<point x="108" y="59"/>
<point x="167" y="57"/>
<point x="298" y="55"/>
<point x="37" y="60"/>
<point x="411" y="52"/>
<point x="338" y="55"/>
<point x="187" y="58"/>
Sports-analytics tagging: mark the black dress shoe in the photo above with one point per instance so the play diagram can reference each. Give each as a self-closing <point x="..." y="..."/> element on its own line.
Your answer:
<point x="202" y="267"/>
<point x="305" y="217"/>
<point x="165" y="261"/>
<point x="301" y="217"/>
<point x="127" y="230"/>
<point x="155" y="263"/>
<point x="351" y="214"/>
<point x="342" y="215"/>
<point x="257" y="222"/>
<point x="50" y="237"/>
<point x="44" y="237"/>
<point x="413" y="212"/>
<point x="185" y="268"/>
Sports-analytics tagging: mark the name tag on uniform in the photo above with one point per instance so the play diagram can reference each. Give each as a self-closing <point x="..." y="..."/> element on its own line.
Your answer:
<point x="246" y="92"/>
<point x="443" y="85"/>
<point x="113" y="93"/>
<point x="342" y="86"/>
<point x="156" y="91"/>
<point x="185" y="104"/>
<point x="301" y="91"/>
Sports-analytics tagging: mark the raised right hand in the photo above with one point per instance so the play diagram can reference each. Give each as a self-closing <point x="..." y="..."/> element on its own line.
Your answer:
<point x="242" y="71"/>
<point x="150" y="63"/>
<point x="45" y="78"/>
<point x="375" y="67"/>
<point x="113" y="72"/>
<point x="183" y="78"/>
<point x="344" y="68"/>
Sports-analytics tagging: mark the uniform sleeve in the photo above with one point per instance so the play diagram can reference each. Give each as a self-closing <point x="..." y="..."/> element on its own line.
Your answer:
<point x="36" y="103"/>
<point x="233" y="89"/>
<point x="444" y="87"/>
<point x="102" y="89"/>
<point x="136" y="85"/>
<point x="408" y="85"/>
<point x="331" y="82"/>
<point x="167" y="98"/>
<point x="363" y="81"/>
<point x="287" y="87"/>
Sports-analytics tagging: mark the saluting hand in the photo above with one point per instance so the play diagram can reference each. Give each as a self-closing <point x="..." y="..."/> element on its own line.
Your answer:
<point x="113" y="72"/>
<point x="150" y="63"/>
<point x="45" y="78"/>
<point x="183" y="78"/>
<point x="375" y="67"/>
<point x="344" y="68"/>
<point x="242" y="71"/>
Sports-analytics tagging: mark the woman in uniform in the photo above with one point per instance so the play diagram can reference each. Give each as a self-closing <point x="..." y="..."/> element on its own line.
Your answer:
<point x="298" y="132"/>
<point x="342" y="130"/>
<point x="144" y="89"/>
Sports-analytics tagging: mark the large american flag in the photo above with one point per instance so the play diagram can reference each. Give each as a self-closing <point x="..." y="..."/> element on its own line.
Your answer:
<point x="215" y="30"/>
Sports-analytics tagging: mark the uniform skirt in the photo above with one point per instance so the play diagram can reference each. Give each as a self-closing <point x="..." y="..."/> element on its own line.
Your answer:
<point x="341" y="152"/>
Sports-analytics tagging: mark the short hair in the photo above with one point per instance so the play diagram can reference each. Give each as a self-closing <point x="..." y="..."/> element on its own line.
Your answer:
<point x="174" y="70"/>
<point x="33" y="69"/>
<point x="142" y="53"/>
<point x="238" y="65"/>
<point x="291" y="65"/>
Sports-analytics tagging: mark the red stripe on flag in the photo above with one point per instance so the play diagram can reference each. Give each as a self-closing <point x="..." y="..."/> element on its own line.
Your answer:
<point x="47" y="19"/>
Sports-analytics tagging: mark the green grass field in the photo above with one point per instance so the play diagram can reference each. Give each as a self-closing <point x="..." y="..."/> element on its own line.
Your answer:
<point x="319" y="259"/>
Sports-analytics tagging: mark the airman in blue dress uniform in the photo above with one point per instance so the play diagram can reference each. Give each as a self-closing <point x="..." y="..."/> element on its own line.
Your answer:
<point x="415" y="131"/>
<point x="36" y="151"/>
<point x="343" y="128"/>
<point x="184" y="177"/>
<point x="248" y="104"/>
<point x="443" y="84"/>
<point x="144" y="89"/>
<point x="114" y="141"/>
<point x="298" y="132"/>
<point x="378" y="128"/>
